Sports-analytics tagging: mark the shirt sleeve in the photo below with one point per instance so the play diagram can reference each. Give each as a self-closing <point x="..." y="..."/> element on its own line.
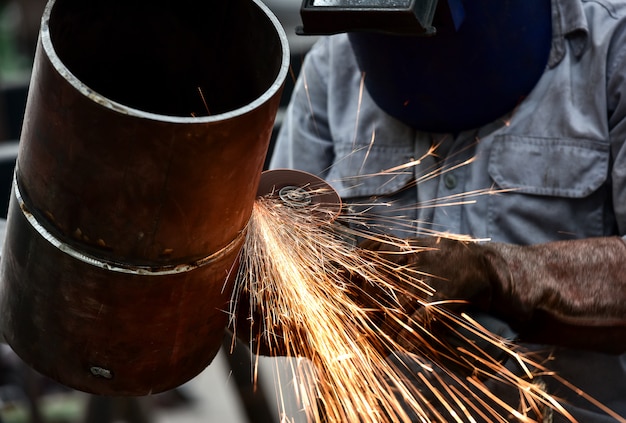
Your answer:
<point x="304" y="141"/>
<point x="616" y="103"/>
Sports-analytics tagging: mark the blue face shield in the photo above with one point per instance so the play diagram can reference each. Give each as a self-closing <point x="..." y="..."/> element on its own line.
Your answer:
<point x="462" y="77"/>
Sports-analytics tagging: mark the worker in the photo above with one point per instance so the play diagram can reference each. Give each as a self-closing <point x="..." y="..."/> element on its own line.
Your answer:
<point x="523" y="99"/>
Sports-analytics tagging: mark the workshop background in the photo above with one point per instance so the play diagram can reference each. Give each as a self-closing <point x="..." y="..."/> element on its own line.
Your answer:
<point x="225" y="391"/>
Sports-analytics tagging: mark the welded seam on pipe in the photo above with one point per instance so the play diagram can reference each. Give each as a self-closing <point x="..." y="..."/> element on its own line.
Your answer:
<point x="116" y="266"/>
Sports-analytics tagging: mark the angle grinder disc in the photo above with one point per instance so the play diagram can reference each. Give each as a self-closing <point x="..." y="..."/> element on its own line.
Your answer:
<point x="298" y="189"/>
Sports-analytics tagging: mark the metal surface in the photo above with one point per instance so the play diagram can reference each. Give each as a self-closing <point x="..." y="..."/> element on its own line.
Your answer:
<point x="143" y="142"/>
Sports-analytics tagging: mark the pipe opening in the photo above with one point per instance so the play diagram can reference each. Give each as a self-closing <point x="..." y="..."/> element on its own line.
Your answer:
<point x="183" y="58"/>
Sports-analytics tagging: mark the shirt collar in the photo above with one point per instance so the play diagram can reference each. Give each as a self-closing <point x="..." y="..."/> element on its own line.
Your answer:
<point x="569" y="24"/>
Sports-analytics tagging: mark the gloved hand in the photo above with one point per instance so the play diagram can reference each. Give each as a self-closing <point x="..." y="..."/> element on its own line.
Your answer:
<point x="569" y="293"/>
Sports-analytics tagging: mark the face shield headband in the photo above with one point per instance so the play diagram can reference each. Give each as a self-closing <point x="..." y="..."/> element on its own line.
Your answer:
<point x="407" y="17"/>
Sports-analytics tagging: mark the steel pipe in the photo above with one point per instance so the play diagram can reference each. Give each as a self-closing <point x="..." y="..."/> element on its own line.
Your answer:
<point x="144" y="137"/>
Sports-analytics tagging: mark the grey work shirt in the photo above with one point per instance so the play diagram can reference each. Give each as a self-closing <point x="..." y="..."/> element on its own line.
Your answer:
<point x="556" y="163"/>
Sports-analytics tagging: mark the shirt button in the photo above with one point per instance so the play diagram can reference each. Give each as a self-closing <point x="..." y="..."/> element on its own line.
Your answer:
<point x="450" y="181"/>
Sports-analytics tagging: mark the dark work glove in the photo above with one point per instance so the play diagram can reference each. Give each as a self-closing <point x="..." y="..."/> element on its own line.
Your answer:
<point x="569" y="293"/>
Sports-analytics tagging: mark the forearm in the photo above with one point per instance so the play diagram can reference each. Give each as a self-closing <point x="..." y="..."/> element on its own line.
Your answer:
<point x="304" y="141"/>
<point x="569" y="293"/>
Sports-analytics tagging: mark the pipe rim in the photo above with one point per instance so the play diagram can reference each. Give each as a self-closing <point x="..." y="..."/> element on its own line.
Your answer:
<point x="113" y="105"/>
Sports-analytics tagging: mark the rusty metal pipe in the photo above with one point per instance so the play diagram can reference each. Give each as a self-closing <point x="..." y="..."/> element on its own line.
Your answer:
<point x="144" y="137"/>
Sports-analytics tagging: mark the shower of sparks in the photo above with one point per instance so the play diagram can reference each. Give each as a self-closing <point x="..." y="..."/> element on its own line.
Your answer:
<point x="304" y="290"/>
<point x="298" y="276"/>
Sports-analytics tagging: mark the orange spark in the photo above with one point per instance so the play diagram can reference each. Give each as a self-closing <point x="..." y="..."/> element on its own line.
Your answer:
<point x="295" y="273"/>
